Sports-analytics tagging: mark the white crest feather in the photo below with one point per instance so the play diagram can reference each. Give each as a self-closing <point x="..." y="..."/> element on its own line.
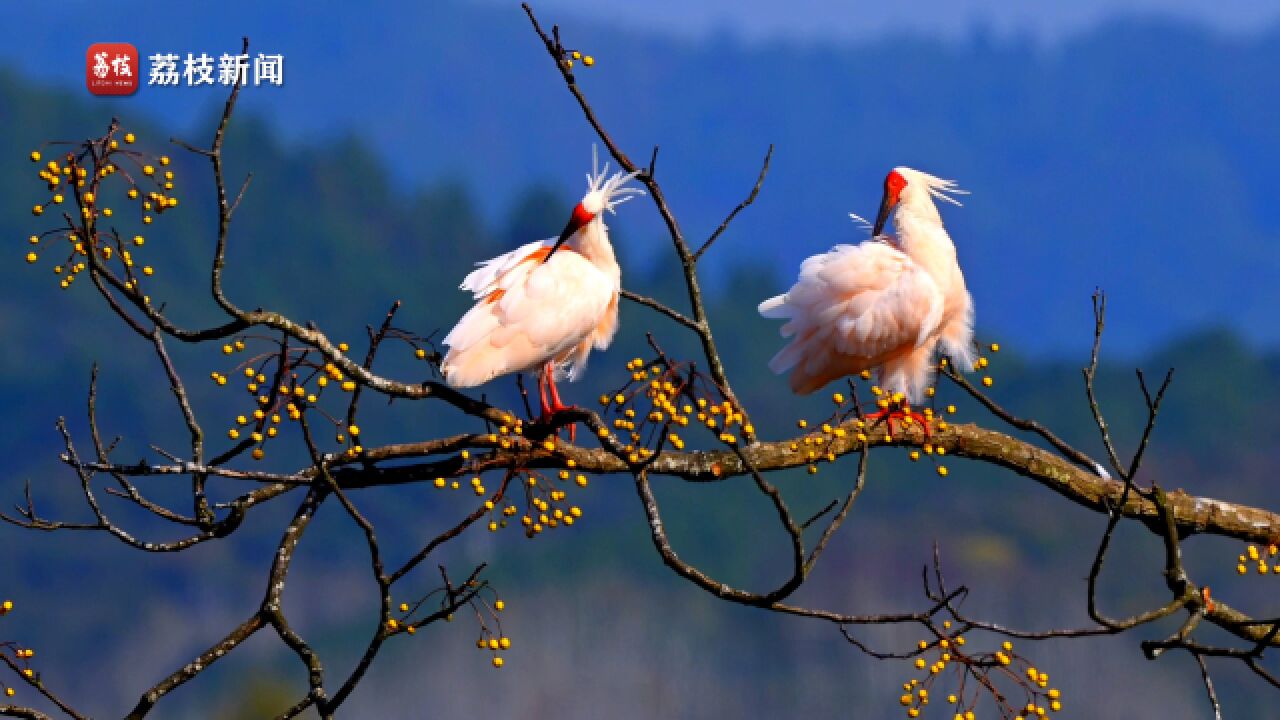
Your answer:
<point x="937" y="187"/>
<point x="943" y="189"/>
<point x="610" y="191"/>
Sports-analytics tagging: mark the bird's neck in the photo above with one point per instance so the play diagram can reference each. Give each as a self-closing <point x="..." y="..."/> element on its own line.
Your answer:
<point x="923" y="238"/>
<point x="917" y="205"/>
<point x="592" y="242"/>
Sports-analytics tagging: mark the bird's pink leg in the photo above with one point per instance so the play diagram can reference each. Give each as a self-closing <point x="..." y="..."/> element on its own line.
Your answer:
<point x="542" y="395"/>
<point x="556" y="405"/>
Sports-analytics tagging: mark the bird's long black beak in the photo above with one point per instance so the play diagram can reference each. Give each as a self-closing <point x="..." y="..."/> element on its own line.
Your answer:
<point x="569" y="230"/>
<point x="577" y="219"/>
<point x="883" y="216"/>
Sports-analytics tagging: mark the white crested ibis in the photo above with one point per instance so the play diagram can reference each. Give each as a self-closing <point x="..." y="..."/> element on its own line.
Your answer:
<point x="886" y="304"/>
<point x="542" y="307"/>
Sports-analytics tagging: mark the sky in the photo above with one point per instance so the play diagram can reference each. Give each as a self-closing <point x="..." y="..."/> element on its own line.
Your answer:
<point x="851" y="20"/>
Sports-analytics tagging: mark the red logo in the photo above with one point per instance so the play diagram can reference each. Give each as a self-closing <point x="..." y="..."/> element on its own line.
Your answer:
<point x="111" y="69"/>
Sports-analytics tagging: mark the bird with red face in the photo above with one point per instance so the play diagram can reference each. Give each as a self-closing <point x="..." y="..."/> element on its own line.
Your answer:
<point x="886" y="305"/>
<point x="542" y="308"/>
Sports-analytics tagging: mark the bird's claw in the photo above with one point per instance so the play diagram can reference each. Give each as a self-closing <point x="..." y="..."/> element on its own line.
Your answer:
<point x="550" y="410"/>
<point x="899" y="412"/>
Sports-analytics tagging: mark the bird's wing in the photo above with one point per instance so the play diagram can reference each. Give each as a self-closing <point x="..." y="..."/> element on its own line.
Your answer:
<point x="484" y="279"/>
<point x="864" y="301"/>
<point x="556" y="303"/>
<point x="531" y="310"/>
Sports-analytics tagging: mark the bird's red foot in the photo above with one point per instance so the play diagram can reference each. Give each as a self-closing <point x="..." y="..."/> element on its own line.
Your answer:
<point x="549" y="411"/>
<point x="899" y="412"/>
<point x="551" y="403"/>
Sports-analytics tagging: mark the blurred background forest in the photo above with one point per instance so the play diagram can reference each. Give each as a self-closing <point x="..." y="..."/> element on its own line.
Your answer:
<point x="1135" y="154"/>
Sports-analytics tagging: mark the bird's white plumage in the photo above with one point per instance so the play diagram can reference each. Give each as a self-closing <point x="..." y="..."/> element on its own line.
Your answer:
<point x="531" y="312"/>
<point x="539" y="304"/>
<point x="852" y="308"/>
<point x="885" y="304"/>
<point x="484" y="279"/>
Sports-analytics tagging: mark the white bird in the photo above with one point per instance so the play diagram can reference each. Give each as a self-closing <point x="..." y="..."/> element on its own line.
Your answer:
<point x="542" y="307"/>
<point x="885" y="304"/>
